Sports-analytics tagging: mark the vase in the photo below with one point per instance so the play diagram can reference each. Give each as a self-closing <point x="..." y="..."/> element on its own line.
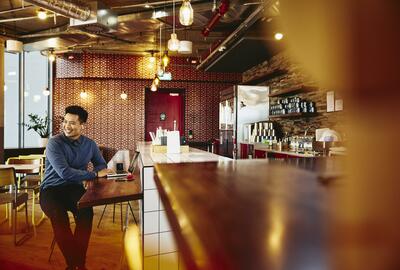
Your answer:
<point x="43" y="142"/>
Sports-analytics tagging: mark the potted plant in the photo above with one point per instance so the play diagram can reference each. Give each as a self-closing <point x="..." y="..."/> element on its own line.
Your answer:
<point x="41" y="125"/>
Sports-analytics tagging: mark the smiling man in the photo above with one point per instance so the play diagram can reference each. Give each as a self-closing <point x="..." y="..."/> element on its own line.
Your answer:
<point x="67" y="157"/>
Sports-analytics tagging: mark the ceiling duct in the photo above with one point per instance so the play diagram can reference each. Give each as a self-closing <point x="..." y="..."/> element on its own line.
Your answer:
<point x="102" y="20"/>
<point x="64" y="8"/>
<point x="223" y="8"/>
<point x="219" y="51"/>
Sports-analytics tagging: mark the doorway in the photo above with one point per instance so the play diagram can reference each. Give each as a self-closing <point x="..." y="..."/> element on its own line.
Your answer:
<point x="162" y="108"/>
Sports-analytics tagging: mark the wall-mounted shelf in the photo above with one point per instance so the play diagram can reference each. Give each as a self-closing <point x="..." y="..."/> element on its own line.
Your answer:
<point x="292" y="90"/>
<point x="265" y="77"/>
<point x="293" y="115"/>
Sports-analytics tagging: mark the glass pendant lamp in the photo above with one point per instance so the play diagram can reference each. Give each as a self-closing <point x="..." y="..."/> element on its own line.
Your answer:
<point x="173" y="43"/>
<point x="186" y="13"/>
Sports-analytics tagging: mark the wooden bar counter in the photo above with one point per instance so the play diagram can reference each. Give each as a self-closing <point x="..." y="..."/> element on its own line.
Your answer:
<point x="246" y="214"/>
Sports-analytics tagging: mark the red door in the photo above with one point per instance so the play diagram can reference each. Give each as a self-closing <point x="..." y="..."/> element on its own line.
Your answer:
<point x="162" y="108"/>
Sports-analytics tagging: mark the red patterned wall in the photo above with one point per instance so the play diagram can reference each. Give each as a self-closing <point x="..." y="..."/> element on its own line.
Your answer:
<point x="117" y="124"/>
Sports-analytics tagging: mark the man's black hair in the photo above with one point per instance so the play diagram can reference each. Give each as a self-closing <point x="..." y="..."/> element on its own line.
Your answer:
<point x="78" y="110"/>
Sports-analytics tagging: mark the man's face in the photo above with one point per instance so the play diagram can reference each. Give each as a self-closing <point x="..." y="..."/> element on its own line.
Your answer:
<point x="72" y="127"/>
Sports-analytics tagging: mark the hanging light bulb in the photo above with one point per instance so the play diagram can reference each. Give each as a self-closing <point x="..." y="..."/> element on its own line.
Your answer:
<point x="153" y="87"/>
<point x="83" y="94"/>
<point x="46" y="92"/>
<point x="41" y="14"/>
<point x="165" y="59"/>
<point x="152" y="61"/>
<point x="124" y="96"/>
<point x="186" y="13"/>
<point x="156" y="80"/>
<point x="173" y="43"/>
<point x="152" y="58"/>
<point x="51" y="56"/>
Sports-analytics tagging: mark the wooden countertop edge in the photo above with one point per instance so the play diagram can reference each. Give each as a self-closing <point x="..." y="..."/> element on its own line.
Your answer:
<point x="182" y="244"/>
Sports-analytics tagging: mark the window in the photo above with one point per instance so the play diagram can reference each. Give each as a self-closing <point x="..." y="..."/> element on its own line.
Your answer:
<point x="34" y="100"/>
<point x="36" y="80"/>
<point x="11" y="100"/>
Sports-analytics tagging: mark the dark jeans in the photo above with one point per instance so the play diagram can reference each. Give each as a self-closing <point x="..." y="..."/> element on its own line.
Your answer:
<point x="55" y="202"/>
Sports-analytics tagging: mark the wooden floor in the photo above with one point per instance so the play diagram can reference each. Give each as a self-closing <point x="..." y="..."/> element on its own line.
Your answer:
<point x="105" y="247"/>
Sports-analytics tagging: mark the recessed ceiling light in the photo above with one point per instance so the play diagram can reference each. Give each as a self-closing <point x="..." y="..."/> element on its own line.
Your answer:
<point x="278" y="36"/>
<point x="41" y="14"/>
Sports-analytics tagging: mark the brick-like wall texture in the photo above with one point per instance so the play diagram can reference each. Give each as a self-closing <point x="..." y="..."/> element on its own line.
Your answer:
<point x="118" y="124"/>
<point x="294" y="75"/>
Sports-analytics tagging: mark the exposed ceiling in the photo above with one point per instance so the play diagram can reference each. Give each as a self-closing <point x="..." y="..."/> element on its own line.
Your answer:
<point x="245" y="30"/>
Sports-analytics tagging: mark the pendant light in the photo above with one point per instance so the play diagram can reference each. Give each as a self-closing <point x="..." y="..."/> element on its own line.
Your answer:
<point x="186" y="13"/>
<point x="173" y="43"/>
<point x="83" y="94"/>
<point x="46" y="92"/>
<point x="124" y="95"/>
<point x="165" y="59"/>
<point x="156" y="80"/>
<point x="185" y="46"/>
<point x="51" y="55"/>
<point x="153" y="87"/>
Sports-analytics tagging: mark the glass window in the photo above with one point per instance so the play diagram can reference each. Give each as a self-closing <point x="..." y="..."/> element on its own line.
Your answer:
<point x="11" y="100"/>
<point x="36" y="102"/>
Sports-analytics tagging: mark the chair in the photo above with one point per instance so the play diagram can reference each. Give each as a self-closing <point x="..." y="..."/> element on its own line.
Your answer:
<point x="34" y="178"/>
<point x="32" y="181"/>
<point x="15" y="198"/>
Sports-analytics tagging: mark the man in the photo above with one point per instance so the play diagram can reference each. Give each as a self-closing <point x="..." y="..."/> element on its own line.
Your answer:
<point x="67" y="158"/>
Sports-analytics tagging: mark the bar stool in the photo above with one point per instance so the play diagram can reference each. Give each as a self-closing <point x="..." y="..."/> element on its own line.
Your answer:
<point x="104" y="209"/>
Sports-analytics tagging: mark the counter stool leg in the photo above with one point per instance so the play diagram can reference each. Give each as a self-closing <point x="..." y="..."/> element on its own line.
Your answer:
<point x="101" y="217"/>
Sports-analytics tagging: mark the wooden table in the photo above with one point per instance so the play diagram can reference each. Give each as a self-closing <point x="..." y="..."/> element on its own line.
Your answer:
<point x="106" y="191"/>
<point x="246" y="214"/>
<point x="21" y="168"/>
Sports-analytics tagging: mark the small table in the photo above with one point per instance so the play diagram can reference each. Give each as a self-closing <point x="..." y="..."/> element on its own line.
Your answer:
<point x="106" y="191"/>
<point x="21" y="168"/>
<point x="103" y="191"/>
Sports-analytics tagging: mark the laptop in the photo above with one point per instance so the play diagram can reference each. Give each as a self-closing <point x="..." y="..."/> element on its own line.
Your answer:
<point x="131" y="168"/>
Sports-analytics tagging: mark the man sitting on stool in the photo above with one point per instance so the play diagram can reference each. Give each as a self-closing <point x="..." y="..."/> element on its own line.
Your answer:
<point x="67" y="158"/>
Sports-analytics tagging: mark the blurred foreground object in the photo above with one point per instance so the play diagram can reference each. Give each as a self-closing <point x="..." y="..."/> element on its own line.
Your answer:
<point x="352" y="47"/>
<point x="133" y="249"/>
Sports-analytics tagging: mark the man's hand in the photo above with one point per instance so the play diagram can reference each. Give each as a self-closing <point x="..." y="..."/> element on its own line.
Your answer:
<point x="104" y="172"/>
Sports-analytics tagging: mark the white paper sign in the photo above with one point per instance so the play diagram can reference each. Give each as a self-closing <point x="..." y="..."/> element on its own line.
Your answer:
<point x="339" y="105"/>
<point x="173" y="142"/>
<point x="330" y="101"/>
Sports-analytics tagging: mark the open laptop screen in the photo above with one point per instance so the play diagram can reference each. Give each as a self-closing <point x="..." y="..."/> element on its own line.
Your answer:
<point x="132" y="165"/>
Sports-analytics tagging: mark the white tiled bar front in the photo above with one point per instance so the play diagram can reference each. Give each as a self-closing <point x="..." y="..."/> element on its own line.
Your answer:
<point x="160" y="251"/>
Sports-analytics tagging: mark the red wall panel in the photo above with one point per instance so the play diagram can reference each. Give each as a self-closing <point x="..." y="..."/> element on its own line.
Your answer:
<point x="117" y="124"/>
